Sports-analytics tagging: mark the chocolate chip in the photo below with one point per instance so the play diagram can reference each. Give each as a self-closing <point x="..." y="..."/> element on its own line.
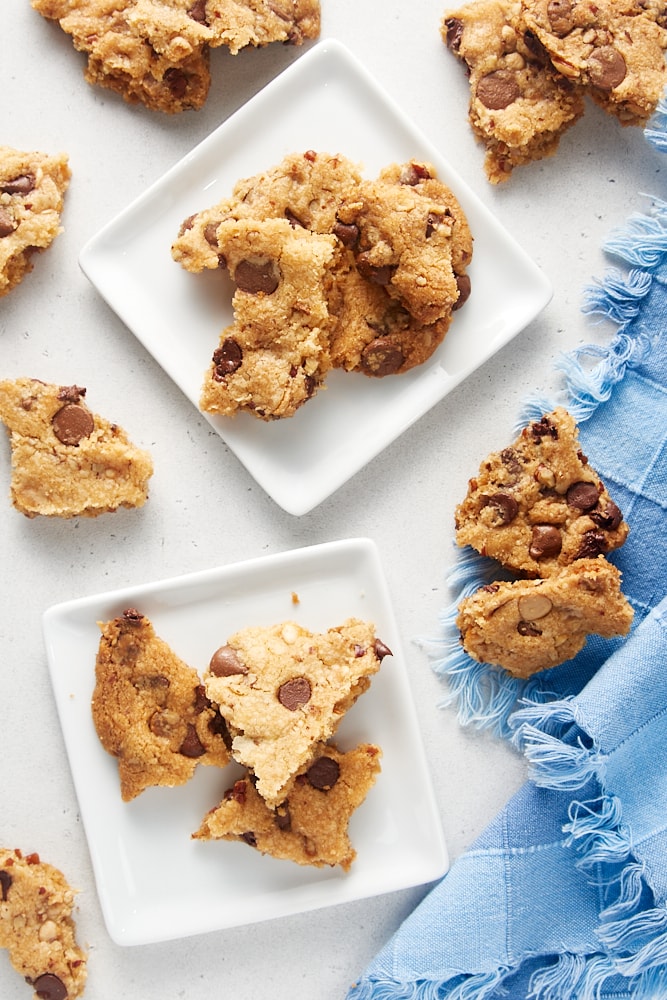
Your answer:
<point x="177" y="82"/>
<point x="527" y="628"/>
<point x="347" y="233"/>
<point x="323" y="773"/>
<point x="412" y="173"/>
<point x="535" y="47"/>
<point x="249" y="838"/>
<point x="381" y="650"/>
<point x="164" y="723"/>
<point x="7" y="223"/>
<point x="463" y="285"/>
<point x="226" y="662"/>
<point x="259" y="275"/>
<point x="510" y="460"/>
<point x="606" y="67"/>
<point x="498" y="90"/>
<point x="198" y="12"/>
<point x="49" y="987"/>
<point x="294" y="221"/>
<point x="71" y="393"/>
<point x="559" y="13"/>
<point x="433" y="220"/>
<point x="132" y="616"/>
<point x="218" y="727"/>
<point x="23" y="184"/>
<point x="593" y="544"/>
<point x="544" y="428"/>
<point x="609" y="518"/>
<point x="200" y="700"/>
<point x="454" y="33"/>
<point x="283" y="817"/>
<point x="192" y="746"/>
<point x="582" y="496"/>
<point x="294" y="693"/>
<point x="186" y="225"/>
<point x="378" y="274"/>
<point x="227" y="358"/>
<point x="505" y="506"/>
<point x="73" y="423"/>
<point x="381" y="357"/>
<point x="5" y="883"/>
<point x="546" y="542"/>
<point x="211" y="234"/>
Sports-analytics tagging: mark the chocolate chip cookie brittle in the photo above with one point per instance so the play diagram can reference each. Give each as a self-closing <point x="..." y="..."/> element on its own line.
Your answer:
<point x="310" y="826"/>
<point x="32" y="189"/>
<point x="538" y="505"/>
<point x="150" y="709"/>
<point x="282" y="689"/>
<point x="37" y="927"/>
<point x="66" y="460"/>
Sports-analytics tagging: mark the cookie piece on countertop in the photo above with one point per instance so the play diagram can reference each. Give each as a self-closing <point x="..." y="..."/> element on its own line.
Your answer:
<point x="275" y="355"/>
<point x="519" y="105"/>
<point x="531" y="625"/>
<point x="615" y="49"/>
<point x="157" y="51"/>
<point x="37" y="927"/>
<point x="310" y="826"/>
<point x="32" y="189"/>
<point x="538" y="505"/>
<point x="150" y="709"/>
<point x="283" y="688"/>
<point x="66" y="460"/>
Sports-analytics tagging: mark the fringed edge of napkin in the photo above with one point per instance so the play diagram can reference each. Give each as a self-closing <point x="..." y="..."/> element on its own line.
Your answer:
<point x="486" y="696"/>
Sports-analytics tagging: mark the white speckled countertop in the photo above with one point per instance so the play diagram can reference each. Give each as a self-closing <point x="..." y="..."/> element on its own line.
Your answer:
<point x="205" y="510"/>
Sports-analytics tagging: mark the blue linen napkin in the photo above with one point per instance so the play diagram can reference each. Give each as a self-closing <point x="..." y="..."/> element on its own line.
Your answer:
<point x="564" y="895"/>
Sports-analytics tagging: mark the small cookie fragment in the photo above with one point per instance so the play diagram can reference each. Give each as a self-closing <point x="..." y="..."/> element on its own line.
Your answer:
<point x="37" y="927"/>
<point x="282" y="689"/>
<point x="157" y="51"/>
<point x="32" y="189"/>
<point x="310" y="826"/>
<point x="519" y="105"/>
<point x="275" y="355"/>
<point x="531" y="625"/>
<point x="66" y="460"/>
<point x="150" y="709"/>
<point x="538" y="505"/>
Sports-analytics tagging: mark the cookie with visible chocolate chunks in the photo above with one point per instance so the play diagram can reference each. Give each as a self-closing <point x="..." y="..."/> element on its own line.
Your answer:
<point x="615" y="50"/>
<point x="275" y="355"/>
<point x="66" y="460"/>
<point x="150" y="709"/>
<point x="283" y="688"/>
<point x="32" y="191"/>
<point x="37" y="927"/>
<point x="157" y="51"/>
<point x="310" y="826"/>
<point x="519" y="105"/>
<point x="531" y="625"/>
<point x="538" y="505"/>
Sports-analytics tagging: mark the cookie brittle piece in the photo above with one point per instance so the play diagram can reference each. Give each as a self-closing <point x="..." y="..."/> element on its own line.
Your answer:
<point x="282" y="689"/>
<point x="616" y="50"/>
<point x="37" y="927"/>
<point x="310" y="826"/>
<point x="276" y="354"/>
<point x="32" y="189"/>
<point x="519" y="105"/>
<point x="150" y="709"/>
<point x="532" y="625"/>
<point x="66" y="460"/>
<point x="538" y="504"/>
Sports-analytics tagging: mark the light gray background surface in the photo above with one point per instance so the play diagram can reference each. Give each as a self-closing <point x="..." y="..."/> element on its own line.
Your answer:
<point x="205" y="510"/>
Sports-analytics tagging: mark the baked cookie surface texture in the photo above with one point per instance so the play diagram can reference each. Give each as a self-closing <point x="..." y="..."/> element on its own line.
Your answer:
<point x="37" y="927"/>
<point x="66" y="460"/>
<point x="282" y="689"/>
<point x="538" y="505"/>
<point x="310" y="826"/>
<point x="150" y="710"/>
<point x="32" y="189"/>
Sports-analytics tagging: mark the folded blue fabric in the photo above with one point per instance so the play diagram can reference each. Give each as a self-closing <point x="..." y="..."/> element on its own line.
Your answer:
<point x="564" y="896"/>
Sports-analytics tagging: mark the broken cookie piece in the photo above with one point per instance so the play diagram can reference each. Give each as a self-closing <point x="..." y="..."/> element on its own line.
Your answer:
<point x="150" y="709"/>
<point x="37" y="927"/>
<point x="66" y="460"/>
<point x="538" y="505"/>
<point x="310" y="826"/>
<point x="282" y="689"/>
<point x="32" y="189"/>
<point x="531" y="625"/>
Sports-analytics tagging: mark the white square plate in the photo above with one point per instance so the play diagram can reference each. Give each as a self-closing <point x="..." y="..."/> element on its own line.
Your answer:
<point x="324" y="101"/>
<point x="154" y="882"/>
